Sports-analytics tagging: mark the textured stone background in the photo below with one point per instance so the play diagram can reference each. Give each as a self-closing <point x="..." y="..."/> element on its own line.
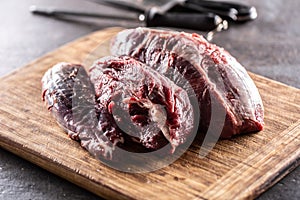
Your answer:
<point x="269" y="46"/>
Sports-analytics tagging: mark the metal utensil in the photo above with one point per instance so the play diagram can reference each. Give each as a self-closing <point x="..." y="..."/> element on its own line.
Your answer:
<point x="201" y="15"/>
<point x="157" y="16"/>
<point x="55" y="12"/>
<point x="235" y="12"/>
<point x="161" y="16"/>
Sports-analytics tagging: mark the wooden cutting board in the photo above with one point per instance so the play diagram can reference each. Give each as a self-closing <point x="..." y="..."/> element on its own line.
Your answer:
<point x="240" y="168"/>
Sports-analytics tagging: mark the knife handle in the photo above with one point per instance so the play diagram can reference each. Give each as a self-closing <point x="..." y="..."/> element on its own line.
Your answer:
<point x="196" y="21"/>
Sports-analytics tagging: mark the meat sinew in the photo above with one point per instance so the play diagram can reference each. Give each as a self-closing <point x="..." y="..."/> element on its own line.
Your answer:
<point x="147" y="106"/>
<point x="221" y="84"/>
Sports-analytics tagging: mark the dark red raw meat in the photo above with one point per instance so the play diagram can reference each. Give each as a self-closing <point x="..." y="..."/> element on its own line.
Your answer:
<point x="70" y="97"/>
<point x="134" y="108"/>
<point x="146" y="105"/>
<point x="226" y="94"/>
<point x="154" y="97"/>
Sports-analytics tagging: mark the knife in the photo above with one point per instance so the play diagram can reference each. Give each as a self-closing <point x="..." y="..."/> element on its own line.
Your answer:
<point x="153" y="17"/>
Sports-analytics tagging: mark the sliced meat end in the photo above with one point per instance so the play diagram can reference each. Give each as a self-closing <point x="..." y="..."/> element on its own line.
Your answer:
<point x="144" y="104"/>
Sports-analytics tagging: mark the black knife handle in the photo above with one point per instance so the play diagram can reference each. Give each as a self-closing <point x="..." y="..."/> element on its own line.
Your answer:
<point x="195" y="21"/>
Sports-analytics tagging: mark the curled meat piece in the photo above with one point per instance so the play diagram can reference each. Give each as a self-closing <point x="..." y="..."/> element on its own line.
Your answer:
<point x="147" y="106"/>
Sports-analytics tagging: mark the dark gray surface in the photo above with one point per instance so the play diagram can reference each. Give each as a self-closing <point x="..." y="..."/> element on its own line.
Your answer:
<point x="269" y="46"/>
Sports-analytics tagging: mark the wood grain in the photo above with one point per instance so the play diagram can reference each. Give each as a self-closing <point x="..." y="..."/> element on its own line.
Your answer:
<point x="241" y="167"/>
